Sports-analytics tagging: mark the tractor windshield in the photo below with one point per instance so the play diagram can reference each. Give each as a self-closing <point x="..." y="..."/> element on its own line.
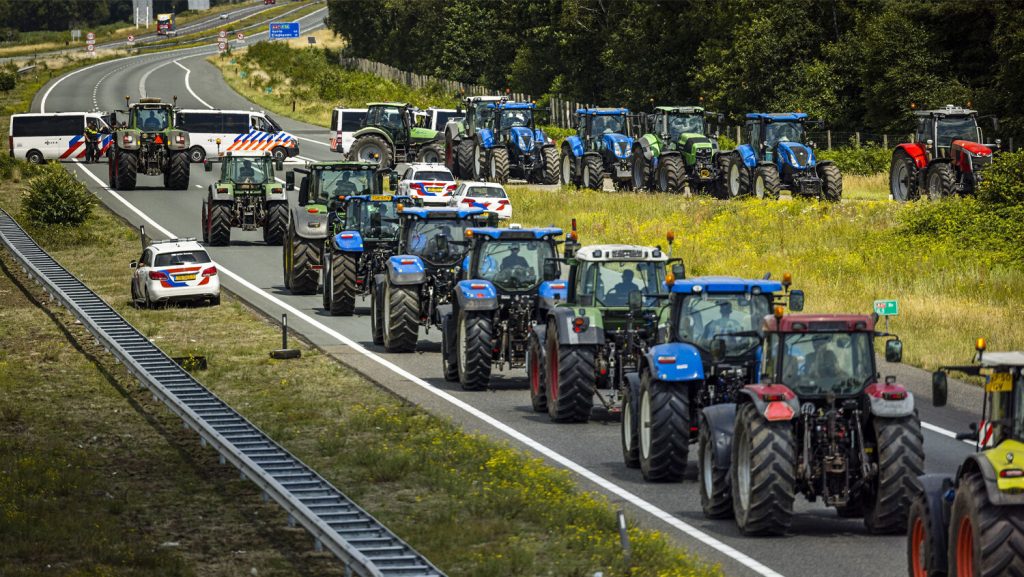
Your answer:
<point x="957" y="128"/>
<point x="706" y="316"/>
<point x="424" y="239"/>
<point x="784" y="132"/>
<point x="481" y="115"/>
<point x="377" y="220"/>
<point x="608" y="124"/>
<point x="346" y="182"/>
<point x="258" y="170"/>
<point x="519" y="117"/>
<point x="152" y="119"/>
<point x="821" y="363"/>
<point x="679" y="124"/>
<point x="611" y="282"/>
<point x="514" y="265"/>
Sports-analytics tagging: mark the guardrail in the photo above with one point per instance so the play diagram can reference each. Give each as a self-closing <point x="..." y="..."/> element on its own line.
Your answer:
<point x="335" y="522"/>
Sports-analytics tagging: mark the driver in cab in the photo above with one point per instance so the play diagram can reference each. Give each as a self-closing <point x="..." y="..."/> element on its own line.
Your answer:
<point x="514" y="260"/>
<point x="723" y="325"/>
<point x="345" y="187"/>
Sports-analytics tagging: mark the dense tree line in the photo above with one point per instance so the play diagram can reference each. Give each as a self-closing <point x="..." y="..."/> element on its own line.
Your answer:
<point x="858" y="64"/>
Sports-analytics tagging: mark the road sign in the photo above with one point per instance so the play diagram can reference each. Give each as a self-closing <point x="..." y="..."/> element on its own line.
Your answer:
<point x="223" y="34"/>
<point x="887" y="308"/>
<point x="241" y="36"/>
<point x="131" y="39"/>
<point x="90" y="48"/>
<point x="282" y="30"/>
<point x="311" y="39"/>
<point x="90" y="42"/>
<point x="90" y="36"/>
<point x="222" y="46"/>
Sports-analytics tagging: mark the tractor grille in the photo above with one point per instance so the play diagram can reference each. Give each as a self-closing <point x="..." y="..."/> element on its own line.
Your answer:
<point x="801" y="154"/>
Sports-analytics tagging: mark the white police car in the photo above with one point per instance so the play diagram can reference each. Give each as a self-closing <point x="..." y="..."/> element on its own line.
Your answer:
<point x="174" y="270"/>
<point x="431" y="183"/>
<point x="489" y="196"/>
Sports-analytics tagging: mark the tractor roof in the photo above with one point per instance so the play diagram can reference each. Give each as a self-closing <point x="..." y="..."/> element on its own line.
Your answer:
<point x="1009" y="359"/>
<point x="516" y="233"/>
<point x="396" y="104"/>
<point x="602" y="111"/>
<point x="725" y="284"/>
<point x="484" y="98"/>
<point x="512" y="105"/>
<point x="680" y="109"/>
<point x="816" y="323"/>
<point x="778" y="116"/>
<point x="620" y="252"/>
<point x="428" y="212"/>
<point x="342" y="165"/>
<point x="948" y="110"/>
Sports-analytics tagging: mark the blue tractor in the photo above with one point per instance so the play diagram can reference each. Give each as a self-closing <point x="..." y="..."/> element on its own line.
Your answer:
<point x="511" y="146"/>
<point x="510" y="281"/>
<point x="417" y="283"/>
<point x="776" y="158"/>
<point x="600" y="146"/>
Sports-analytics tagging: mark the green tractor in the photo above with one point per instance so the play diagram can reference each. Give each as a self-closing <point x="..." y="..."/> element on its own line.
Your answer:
<point x="679" y="150"/>
<point x="971" y="524"/>
<point x="148" y="143"/>
<point x="390" y="136"/>
<point x="460" y="134"/>
<point x="320" y="214"/>
<point x="245" y="196"/>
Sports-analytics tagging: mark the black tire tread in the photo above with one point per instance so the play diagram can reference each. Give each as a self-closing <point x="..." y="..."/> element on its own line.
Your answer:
<point x="385" y="155"/>
<point x="900" y="453"/>
<point x="772" y="181"/>
<point x="832" y="183"/>
<point x="673" y="169"/>
<point x="501" y="165"/>
<point x="178" y="171"/>
<point x="772" y="472"/>
<point x="593" y="168"/>
<point x="576" y="382"/>
<point x="719" y="504"/>
<point x="999" y="531"/>
<point x="305" y="253"/>
<point x="944" y="174"/>
<point x="401" y="331"/>
<point x="127" y="169"/>
<point x="220" y="223"/>
<point x="550" y="156"/>
<point x="276" y="223"/>
<point x="670" y="430"/>
<point x="343" y="284"/>
<point x="479" y="332"/>
<point x="535" y="354"/>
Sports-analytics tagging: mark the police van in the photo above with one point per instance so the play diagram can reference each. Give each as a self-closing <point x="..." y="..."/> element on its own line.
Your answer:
<point x="212" y="132"/>
<point x="38" y="137"/>
<point x="344" y="123"/>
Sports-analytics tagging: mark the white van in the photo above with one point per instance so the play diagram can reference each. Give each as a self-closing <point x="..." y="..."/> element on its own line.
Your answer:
<point x="39" y="137"/>
<point x="437" y="118"/>
<point x="344" y="123"/>
<point x="237" y="130"/>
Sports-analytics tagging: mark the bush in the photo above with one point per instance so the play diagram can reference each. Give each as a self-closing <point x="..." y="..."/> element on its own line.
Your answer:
<point x="56" y="197"/>
<point x="1004" y="180"/>
<point x="988" y="233"/>
<point x="725" y="143"/>
<point x="858" y="160"/>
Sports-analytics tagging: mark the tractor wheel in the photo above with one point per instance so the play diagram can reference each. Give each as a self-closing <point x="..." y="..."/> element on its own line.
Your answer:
<point x="570" y="372"/>
<point x="763" y="473"/>
<point x="985" y="540"/>
<point x="498" y="166"/>
<point x="377" y="314"/>
<point x="220" y="223"/>
<point x="715" y="493"/>
<point x="738" y="177"/>
<point x="720" y="187"/>
<point x="204" y="224"/>
<point x="449" y="364"/>
<point x="922" y="555"/>
<point x="127" y="169"/>
<point x="900" y="461"/>
<point x="275" y="224"/>
<point x="342" y="279"/>
<point x="664" y="426"/>
<point x="831" y="183"/>
<point x="766" y="182"/>
<point x="178" y="171"/>
<point x="550" y="155"/>
<point x="567" y="169"/>
<point x="464" y="158"/>
<point x="371" y="148"/>
<point x="903" y="177"/>
<point x="401" y="318"/>
<point x="535" y="370"/>
<point x="197" y="154"/>
<point x="940" y="181"/>
<point x="480" y="163"/>
<point x="670" y="174"/>
<point x="430" y="153"/>
<point x="111" y="171"/>
<point x="629" y="432"/>
<point x="473" y="349"/>
<point x="302" y="278"/>
<point x="641" y="170"/>
<point x="593" y="172"/>
<point x="286" y="259"/>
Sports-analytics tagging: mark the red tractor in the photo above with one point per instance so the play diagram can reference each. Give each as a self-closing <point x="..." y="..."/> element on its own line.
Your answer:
<point x="946" y="157"/>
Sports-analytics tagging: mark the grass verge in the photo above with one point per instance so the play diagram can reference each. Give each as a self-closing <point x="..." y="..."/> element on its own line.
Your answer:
<point x="473" y="506"/>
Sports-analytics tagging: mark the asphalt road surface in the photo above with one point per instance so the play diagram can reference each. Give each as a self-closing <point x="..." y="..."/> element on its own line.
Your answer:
<point x="820" y="543"/>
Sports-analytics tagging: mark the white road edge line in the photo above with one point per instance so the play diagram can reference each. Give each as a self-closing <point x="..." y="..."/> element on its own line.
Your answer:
<point x="945" y="432"/>
<point x="145" y="77"/>
<point x="721" y="547"/>
<point x="189" y="86"/>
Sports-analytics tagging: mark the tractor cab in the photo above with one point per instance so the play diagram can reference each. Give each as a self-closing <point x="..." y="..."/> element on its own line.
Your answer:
<point x="513" y="122"/>
<point x="616" y="278"/>
<point x="374" y="217"/>
<point x="677" y="124"/>
<point x="605" y="130"/>
<point x="514" y="260"/>
<point x="437" y="235"/>
<point x="247" y="172"/>
<point x="330" y="182"/>
<point x="938" y="129"/>
<point x="770" y="134"/>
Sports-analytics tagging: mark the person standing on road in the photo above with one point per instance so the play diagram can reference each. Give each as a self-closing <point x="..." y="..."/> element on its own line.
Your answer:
<point x="92" y="138"/>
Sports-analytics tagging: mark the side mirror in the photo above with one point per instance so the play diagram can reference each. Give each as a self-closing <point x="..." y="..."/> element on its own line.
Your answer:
<point x="134" y="264"/>
<point x="551" y="271"/>
<point x="304" y="191"/>
<point x="289" y="180"/>
<point x="796" y="300"/>
<point x="940" y="388"/>
<point x="636" y="301"/>
<point x="393" y="180"/>
<point x="718" y="349"/>
<point x="207" y="166"/>
<point x="279" y="164"/>
<point x="894" y="351"/>
<point x="679" y="271"/>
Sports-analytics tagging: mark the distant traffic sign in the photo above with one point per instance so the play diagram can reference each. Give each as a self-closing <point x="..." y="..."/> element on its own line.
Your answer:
<point x="90" y="41"/>
<point x="887" y="308"/>
<point x="222" y="46"/>
<point x="241" y="36"/>
<point x="90" y="48"/>
<point x="131" y="39"/>
<point x="223" y="34"/>
<point x="90" y="36"/>
<point x="282" y="30"/>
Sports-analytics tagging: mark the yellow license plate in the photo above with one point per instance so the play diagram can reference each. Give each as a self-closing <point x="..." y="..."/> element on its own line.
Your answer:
<point x="381" y="197"/>
<point x="999" y="383"/>
<point x="183" y="277"/>
<point x="433" y="189"/>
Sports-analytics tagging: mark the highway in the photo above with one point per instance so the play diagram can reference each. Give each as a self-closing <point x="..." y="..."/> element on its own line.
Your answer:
<point x="820" y="543"/>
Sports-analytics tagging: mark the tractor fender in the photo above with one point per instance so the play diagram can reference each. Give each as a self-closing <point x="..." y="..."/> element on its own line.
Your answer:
<point x="649" y="146"/>
<point x="890" y="401"/>
<point x="934" y="489"/>
<point x="485" y="138"/>
<point x="746" y="153"/>
<point x="222" y="196"/>
<point x="675" y="362"/>
<point x="774" y="402"/>
<point x="128" y="139"/>
<point x="404" y="270"/>
<point x="916" y="151"/>
<point x="552" y="292"/>
<point x="476" y="295"/>
<point x="348" y="241"/>
<point x="720" y="420"/>
<point x="310" y="225"/>
<point x="540" y="138"/>
<point x="177" y="140"/>
<point x="575" y="146"/>
<point x="275" y="192"/>
<point x="563" y="320"/>
<point x="981" y="463"/>
<point x="373" y="130"/>
<point x="454" y="130"/>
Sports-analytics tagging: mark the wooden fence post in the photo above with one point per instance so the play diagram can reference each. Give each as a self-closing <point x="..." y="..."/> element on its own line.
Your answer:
<point x="738" y="135"/>
<point x="857" y="136"/>
<point x="828" y="138"/>
<point x="885" y="141"/>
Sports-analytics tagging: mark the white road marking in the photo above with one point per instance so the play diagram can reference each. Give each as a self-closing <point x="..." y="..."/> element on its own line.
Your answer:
<point x="650" y="508"/>
<point x="944" y="432"/>
<point x="142" y="81"/>
<point x="189" y="86"/>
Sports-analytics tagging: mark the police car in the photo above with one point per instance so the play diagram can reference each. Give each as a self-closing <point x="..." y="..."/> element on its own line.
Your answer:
<point x="431" y="183"/>
<point x="489" y="196"/>
<point x="174" y="270"/>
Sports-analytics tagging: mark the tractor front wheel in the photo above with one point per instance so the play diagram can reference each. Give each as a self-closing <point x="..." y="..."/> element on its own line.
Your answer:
<point x="903" y="177"/>
<point x="449" y="364"/>
<point x="629" y="432"/>
<point x="464" y="158"/>
<point x="430" y="153"/>
<point x="767" y="183"/>
<point x="474" y="349"/>
<point x="377" y="314"/>
<point x="593" y="172"/>
<point x="831" y="182"/>
<point x="400" y="315"/>
<point x="571" y="380"/>
<point x="922" y="553"/>
<point x="985" y="540"/>
<point x="641" y="169"/>
<point x="900" y="461"/>
<point x="763" y="473"/>
<point x="535" y="372"/>
<point x="550" y="156"/>
<point x="715" y="494"/>
<point x="664" y="415"/>
<point x="940" y="181"/>
<point x="303" y="279"/>
<point x="720" y="187"/>
<point x="498" y="166"/>
<point x="567" y="173"/>
<point x="670" y="174"/>
<point x="342" y="278"/>
<point x="738" y="177"/>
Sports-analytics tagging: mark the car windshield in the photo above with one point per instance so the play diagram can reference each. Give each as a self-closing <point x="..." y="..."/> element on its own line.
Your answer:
<point x="181" y="257"/>
<point x="346" y="182"/>
<point x="373" y="219"/>
<point x="152" y="120"/>
<point x="608" y="124"/>
<point x="273" y="124"/>
<point x="484" y="192"/>
<point x="952" y="128"/>
<point x="788" y="131"/>
<point x="685" y="124"/>
<point x="250" y="170"/>
<point x="820" y="363"/>
<point x="705" y="316"/>
<point x="611" y="282"/>
<point x="433" y="175"/>
<point x="514" y="265"/>
<point x="519" y="117"/>
<point x="425" y="239"/>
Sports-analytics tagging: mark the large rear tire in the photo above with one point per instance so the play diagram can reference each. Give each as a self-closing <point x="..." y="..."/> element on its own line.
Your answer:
<point x="664" y="428"/>
<point x="305" y="254"/>
<point x="767" y="183"/>
<point x="567" y="169"/>
<point x="641" y="170"/>
<point x="831" y="183"/>
<point x="720" y="187"/>
<point x="499" y="167"/>
<point x="371" y="148"/>
<point x="401" y="318"/>
<point x="739" y="179"/>
<point x="922" y="553"/>
<point x="220" y="223"/>
<point x="276" y="223"/>
<point x="763" y="473"/>
<point x="473" y="350"/>
<point x="535" y="371"/>
<point x="465" y="158"/>
<point x="670" y="174"/>
<point x="342" y="280"/>
<point x="430" y="153"/>
<point x="449" y="362"/>
<point x="178" y="171"/>
<point x="900" y="462"/>
<point x="903" y="177"/>
<point x="593" y="172"/>
<point x="127" y="169"/>
<point x="377" y="314"/>
<point x="550" y="156"/>
<point x="571" y="380"/>
<point x="715" y="492"/>
<point x="940" y="181"/>
<point x="985" y="540"/>
<point x="629" y="431"/>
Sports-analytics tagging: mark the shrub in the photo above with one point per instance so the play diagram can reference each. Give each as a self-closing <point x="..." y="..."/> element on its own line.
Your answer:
<point x="989" y="233"/>
<point x="56" y="197"/>
<point x="725" y="143"/>
<point x="8" y="79"/>
<point x="859" y="160"/>
<point x="1004" y="180"/>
